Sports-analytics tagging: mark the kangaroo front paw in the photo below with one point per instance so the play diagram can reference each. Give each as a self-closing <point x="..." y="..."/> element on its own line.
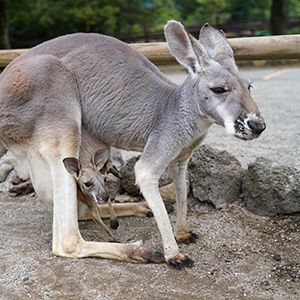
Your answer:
<point x="187" y="237"/>
<point x="114" y="224"/>
<point x="180" y="262"/>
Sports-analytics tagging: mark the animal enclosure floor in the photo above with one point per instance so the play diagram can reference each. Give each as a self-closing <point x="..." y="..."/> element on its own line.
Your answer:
<point x="239" y="255"/>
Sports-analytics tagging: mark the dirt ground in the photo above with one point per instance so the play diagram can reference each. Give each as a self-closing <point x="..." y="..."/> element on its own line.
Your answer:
<point x="239" y="255"/>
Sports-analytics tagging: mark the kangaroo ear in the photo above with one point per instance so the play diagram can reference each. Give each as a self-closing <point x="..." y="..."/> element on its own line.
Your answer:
<point x="73" y="166"/>
<point x="216" y="44"/>
<point x="99" y="158"/>
<point x="184" y="47"/>
<point x="110" y="168"/>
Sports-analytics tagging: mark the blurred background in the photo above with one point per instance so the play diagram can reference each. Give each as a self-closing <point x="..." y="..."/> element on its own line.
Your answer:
<point x="26" y="23"/>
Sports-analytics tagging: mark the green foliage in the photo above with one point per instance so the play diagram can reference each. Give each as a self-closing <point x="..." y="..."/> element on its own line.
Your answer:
<point x="220" y="11"/>
<point x="195" y="12"/>
<point x="249" y="10"/>
<point x="293" y="8"/>
<point x="44" y="19"/>
<point x="210" y="10"/>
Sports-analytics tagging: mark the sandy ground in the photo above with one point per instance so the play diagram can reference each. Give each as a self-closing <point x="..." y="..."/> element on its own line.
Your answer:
<point x="239" y="255"/>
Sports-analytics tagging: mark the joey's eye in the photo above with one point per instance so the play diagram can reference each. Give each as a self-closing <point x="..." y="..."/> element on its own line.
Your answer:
<point x="88" y="184"/>
<point x="218" y="90"/>
<point x="250" y="87"/>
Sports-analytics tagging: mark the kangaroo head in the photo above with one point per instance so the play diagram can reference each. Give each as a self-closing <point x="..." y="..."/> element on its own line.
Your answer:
<point x="91" y="180"/>
<point x="221" y="93"/>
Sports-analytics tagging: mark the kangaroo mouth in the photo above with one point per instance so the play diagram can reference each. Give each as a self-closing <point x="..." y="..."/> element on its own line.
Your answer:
<point x="240" y="130"/>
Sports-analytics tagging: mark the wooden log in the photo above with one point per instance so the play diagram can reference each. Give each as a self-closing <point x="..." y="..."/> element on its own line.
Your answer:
<point x="251" y="48"/>
<point x="158" y="53"/>
<point x="267" y="47"/>
<point x="6" y="56"/>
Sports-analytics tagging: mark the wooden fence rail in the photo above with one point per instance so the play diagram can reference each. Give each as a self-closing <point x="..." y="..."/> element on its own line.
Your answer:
<point x="251" y="48"/>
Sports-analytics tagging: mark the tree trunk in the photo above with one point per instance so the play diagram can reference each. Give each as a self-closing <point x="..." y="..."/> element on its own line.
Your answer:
<point x="278" y="17"/>
<point x="4" y="40"/>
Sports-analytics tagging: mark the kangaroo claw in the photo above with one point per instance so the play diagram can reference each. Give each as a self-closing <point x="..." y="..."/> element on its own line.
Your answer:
<point x="189" y="238"/>
<point x="180" y="262"/>
<point x="114" y="224"/>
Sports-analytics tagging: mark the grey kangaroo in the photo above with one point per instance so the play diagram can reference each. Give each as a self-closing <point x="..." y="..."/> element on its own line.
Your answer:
<point x="83" y="86"/>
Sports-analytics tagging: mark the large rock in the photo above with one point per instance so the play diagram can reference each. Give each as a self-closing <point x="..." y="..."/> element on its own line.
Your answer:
<point x="168" y="193"/>
<point x="270" y="188"/>
<point x="20" y="166"/>
<point x="113" y="185"/>
<point x="128" y="182"/>
<point x="215" y="176"/>
<point x="4" y="171"/>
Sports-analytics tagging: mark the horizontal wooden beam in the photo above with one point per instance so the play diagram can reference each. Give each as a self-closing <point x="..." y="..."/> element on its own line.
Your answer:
<point x="267" y="47"/>
<point x="251" y="48"/>
<point x="6" y="56"/>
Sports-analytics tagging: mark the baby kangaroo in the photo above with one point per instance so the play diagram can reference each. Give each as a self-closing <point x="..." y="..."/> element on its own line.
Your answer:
<point x="91" y="186"/>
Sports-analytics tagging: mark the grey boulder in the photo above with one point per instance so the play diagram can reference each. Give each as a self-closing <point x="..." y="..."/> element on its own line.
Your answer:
<point x="270" y="188"/>
<point x="215" y="176"/>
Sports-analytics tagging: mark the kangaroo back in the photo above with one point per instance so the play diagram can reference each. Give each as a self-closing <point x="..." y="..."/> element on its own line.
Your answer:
<point x="113" y="75"/>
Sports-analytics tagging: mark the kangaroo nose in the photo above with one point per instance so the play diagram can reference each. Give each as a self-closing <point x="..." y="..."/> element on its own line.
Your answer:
<point x="257" y="126"/>
<point x="105" y="197"/>
<point x="102" y="198"/>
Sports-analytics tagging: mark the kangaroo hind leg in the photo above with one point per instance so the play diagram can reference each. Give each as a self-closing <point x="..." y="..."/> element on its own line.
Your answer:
<point x="178" y="174"/>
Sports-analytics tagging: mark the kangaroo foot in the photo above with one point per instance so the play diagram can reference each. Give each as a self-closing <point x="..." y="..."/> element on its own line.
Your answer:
<point x="180" y="262"/>
<point x="21" y="187"/>
<point x="114" y="224"/>
<point x="187" y="237"/>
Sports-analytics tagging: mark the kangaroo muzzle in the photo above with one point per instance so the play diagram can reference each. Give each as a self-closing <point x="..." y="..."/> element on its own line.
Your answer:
<point x="249" y="126"/>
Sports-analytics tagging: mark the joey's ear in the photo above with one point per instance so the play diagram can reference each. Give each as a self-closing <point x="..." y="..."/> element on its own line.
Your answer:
<point x="110" y="168"/>
<point x="184" y="47"/>
<point x="216" y="44"/>
<point x="73" y="166"/>
<point x="99" y="158"/>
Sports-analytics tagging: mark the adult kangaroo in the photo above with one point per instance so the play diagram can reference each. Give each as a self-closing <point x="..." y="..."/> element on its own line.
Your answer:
<point x="83" y="86"/>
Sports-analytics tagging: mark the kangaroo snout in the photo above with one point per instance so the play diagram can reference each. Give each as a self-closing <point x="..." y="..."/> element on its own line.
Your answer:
<point x="102" y="197"/>
<point x="249" y="126"/>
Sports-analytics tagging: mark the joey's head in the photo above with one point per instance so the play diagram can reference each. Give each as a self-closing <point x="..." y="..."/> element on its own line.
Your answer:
<point x="91" y="180"/>
<point x="220" y="92"/>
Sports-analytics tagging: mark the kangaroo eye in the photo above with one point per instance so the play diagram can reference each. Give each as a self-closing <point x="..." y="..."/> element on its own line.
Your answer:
<point x="88" y="184"/>
<point x="250" y="87"/>
<point x="218" y="90"/>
